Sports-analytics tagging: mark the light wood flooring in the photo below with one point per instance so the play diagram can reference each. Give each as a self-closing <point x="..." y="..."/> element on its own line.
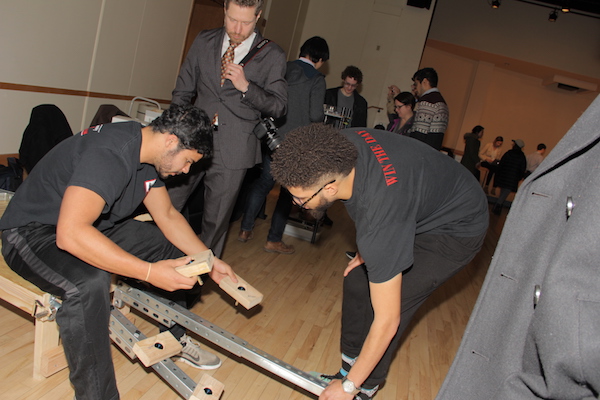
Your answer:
<point x="298" y="322"/>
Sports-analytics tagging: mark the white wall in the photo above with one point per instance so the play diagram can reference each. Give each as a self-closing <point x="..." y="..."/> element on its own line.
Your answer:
<point x="522" y="31"/>
<point x="130" y="48"/>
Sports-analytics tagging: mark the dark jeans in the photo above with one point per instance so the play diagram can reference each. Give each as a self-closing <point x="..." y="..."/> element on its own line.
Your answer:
<point x="436" y="259"/>
<point x="492" y="168"/>
<point x="256" y="198"/>
<point x="83" y="318"/>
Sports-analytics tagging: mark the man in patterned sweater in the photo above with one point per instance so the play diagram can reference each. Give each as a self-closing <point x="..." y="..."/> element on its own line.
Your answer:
<point x="431" y="112"/>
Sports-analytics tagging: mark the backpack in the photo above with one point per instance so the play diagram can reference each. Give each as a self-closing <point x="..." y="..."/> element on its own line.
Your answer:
<point x="11" y="176"/>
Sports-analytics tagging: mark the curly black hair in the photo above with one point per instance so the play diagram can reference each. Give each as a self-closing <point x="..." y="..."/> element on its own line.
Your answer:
<point x="312" y="154"/>
<point x="190" y="124"/>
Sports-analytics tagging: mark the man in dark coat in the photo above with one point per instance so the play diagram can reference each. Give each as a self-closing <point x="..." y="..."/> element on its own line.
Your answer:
<point x="510" y="172"/>
<point x="535" y="330"/>
<point x="470" y="158"/>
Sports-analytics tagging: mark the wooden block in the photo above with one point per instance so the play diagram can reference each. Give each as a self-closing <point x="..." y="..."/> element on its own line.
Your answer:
<point x="208" y="388"/>
<point x="157" y="348"/>
<point x="201" y="264"/>
<point x="242" y="292"/>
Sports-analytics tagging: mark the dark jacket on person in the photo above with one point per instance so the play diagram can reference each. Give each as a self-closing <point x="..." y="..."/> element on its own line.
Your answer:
<point x="306" y="93"/>
<point x="47" y="127"/>
<point x="470" y="157"/>
<point x="359" y="110"/>
<point x="511" y="169"/>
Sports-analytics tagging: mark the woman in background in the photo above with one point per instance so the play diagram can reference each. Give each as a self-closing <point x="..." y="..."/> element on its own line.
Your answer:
<point x="404" y="104"/>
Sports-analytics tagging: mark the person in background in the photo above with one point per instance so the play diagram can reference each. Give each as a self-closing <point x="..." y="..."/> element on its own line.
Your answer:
<point x="511" y="170"/>
<point x="404" y="104"/>
<point x="470" y="158"/>
<point x="234" y="97"/>
<point x="490" y="156"/>
<point x="347" y="97"/>
<point x="431" y="111"/>
<point x="393" y="91"/>
<point x="306" y="91"/>
<point x="535" y="159"/>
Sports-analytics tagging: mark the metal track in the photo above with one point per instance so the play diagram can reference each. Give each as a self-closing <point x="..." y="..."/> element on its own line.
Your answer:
<point x="168" y="313"/>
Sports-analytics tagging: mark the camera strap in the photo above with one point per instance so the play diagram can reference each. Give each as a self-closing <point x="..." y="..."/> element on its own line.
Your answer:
<point x="254" y="51"/>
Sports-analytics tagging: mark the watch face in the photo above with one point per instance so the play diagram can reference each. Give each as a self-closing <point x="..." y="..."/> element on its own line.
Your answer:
<point x="348" y="386"/>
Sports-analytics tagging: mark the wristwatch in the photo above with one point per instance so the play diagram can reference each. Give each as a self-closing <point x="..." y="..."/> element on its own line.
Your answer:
<point x="349" y="386"/>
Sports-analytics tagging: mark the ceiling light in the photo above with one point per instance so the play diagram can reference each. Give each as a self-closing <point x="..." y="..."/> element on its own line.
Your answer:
<point x="496" y="4"/>
<point x="565" y="9"/>
<point x="553" y="15"/>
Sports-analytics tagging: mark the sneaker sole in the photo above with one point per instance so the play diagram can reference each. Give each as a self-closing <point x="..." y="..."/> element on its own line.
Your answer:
<point x="203" y="367"/>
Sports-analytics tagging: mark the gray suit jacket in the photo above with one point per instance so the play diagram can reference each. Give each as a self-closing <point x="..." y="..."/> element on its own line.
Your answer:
<point x="514" y="349"/>
<point x="200" y="76"/>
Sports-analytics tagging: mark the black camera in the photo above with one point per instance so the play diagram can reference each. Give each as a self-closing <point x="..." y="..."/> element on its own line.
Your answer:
<point x="266" y="131"/>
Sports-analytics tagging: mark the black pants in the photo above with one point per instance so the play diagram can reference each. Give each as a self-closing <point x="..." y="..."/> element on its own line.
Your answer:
<point x="83" y="318"/>
<point x="436" y="259"/>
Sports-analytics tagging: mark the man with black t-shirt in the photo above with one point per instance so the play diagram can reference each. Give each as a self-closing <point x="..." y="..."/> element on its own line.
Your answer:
<point x="420" y="217"/>
<point x="69" y="227"/>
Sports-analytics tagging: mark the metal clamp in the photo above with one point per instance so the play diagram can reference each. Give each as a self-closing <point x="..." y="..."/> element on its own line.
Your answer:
<point x="46" y="312"/>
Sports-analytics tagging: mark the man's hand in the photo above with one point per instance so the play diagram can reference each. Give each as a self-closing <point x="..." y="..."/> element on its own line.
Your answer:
<point x="220" y="270"/>
<point x="163" y="275"/>
<point x="235" y="73"/>
<point x="335" y="392"/>
<point x="355" y="262"/>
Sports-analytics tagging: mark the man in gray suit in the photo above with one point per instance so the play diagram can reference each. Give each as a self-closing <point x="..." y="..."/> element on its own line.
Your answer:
<point x="234" y="96"/>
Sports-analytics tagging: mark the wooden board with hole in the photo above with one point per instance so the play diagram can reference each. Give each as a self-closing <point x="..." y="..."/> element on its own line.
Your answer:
<point x="201" y="264"/>
<point x="241" y="291"/>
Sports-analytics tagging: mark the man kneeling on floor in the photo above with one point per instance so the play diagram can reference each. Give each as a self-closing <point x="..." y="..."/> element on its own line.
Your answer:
<point x="68" y="227"/>
<point x="420" y="217"/>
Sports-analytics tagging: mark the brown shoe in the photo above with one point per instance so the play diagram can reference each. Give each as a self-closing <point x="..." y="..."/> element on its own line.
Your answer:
<point x="279" y="247"/>
<point x="244" y="236"/>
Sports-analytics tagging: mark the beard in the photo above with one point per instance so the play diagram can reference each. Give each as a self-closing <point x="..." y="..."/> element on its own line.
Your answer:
<point x="319" y="211"/>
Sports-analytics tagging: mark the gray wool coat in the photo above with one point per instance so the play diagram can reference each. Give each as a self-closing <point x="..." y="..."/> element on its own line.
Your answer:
<point x="535" y="329"/>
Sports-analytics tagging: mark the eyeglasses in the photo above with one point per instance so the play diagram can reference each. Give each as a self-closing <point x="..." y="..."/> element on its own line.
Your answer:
<point x="352" y="85"/>
<point x="399" y="107"/>
<point x="311" y="197"/>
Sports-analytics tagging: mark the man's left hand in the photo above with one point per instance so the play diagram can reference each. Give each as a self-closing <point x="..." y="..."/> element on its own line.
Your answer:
<point x="220" y="270"/>
<point x="355" y="262"/>
<point x="235" y="73"/>
<point x="335" y="392"/>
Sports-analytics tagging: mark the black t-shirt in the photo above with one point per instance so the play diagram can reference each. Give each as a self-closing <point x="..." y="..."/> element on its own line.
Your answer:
<point x="404" y="188"/>
<point x="104" y="159"/>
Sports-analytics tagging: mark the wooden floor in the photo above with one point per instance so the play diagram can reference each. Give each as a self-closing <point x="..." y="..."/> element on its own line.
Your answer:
<point x="298" y="322"/>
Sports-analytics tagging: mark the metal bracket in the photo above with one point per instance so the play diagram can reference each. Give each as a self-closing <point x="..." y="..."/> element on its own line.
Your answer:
<point x="46" y="312"/>
<point x="168" y="313"/>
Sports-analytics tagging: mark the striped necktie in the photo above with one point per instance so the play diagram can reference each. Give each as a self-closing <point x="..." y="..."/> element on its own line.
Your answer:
<point x="227" y="58"/>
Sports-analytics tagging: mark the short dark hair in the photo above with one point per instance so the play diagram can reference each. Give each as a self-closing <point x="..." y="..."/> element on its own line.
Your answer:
<point x="426" y="73"/>
<point x="499" y="138"/>
<point x="477" y="128"/>
<point x="190" y="124"/>
<point x="541" y="146"/>
<point x="315" y="49"/>
<point x="352" y="72"/>
<point x="312" y="154"/>
<point x="246" y="3"/>
<point x="406" y="98"/>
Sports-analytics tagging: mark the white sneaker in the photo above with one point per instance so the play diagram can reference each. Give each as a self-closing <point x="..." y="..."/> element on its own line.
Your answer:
<point x="193" y="355"/>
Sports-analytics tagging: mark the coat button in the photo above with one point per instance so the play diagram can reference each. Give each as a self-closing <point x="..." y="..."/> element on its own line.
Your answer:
<point x="570" y="206"/>
<point x="537" y="291"/>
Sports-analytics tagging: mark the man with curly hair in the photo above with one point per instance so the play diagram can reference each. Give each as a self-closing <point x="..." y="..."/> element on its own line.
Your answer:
<point x="420" y="217"/>
<point x="346" y="96"/>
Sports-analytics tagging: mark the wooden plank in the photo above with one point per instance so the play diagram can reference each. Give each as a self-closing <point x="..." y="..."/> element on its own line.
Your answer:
<point x="201" y="264"/>
<point x="208" y="388"/>
<point x="241" y="291"/>
<point x="157" y="348"/>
